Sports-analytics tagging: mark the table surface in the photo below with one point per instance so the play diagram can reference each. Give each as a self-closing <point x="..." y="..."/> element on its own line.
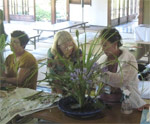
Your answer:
<point x="112" y="115"/>
<point x="59" y="26"/>
<point x="142" y="33"/>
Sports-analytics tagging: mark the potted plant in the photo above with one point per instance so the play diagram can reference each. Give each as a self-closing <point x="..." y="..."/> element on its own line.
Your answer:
<point x="79" y="81"/>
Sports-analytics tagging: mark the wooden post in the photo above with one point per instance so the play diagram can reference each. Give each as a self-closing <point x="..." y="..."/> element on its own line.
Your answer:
<point x="119" y="14"/>
<point x="53" y="11"/>
<point x="141" y="11"/>
<point x="6" y="10"/>
<point x="127" y="10"/>
<point x="23" y="7"/>
<point x="16" y="7"/>
<point x="67" y="10"/>
<point x="109" y="13"/>
<point x="34" y="11"/>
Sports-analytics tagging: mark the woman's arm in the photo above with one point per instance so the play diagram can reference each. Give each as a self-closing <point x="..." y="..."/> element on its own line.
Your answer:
<point x="22" y="75"/>
<point x="127" y="73"/>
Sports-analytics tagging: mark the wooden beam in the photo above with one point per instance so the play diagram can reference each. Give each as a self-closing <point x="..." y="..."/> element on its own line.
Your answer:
<point x="6" y="10"/>
<point x="109" y="13"/>
<point x="86" y="2"/>
<point x="53" y="11"/>
<point x="67" y="10"/>
<point x="141" y="11"/>
<point x="34" y="10"/>
<point x="119" y="14"/>
<point x="127" y="10"/>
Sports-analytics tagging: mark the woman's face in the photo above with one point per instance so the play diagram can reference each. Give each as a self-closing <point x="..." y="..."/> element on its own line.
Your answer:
<point x="66" y="48"/>
<point x="110" y="49"/>
<point x="15" y="44"/>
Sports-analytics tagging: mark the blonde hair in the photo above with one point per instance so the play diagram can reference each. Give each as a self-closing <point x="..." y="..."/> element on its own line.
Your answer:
<point x="62" y="37"/>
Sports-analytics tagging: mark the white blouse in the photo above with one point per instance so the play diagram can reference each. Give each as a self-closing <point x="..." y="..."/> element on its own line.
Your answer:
<point x="125" y="77"/>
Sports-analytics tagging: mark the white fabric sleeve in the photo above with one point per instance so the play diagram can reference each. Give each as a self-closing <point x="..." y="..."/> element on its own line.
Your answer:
<point x="126" y="75"/>
<point x="135" y="99"/>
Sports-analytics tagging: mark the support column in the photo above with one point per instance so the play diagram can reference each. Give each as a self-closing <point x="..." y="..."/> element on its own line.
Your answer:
<point x="34" y="5"/>
<point x="109" y="13"/>
<point x="67" y="10"/>
<point x="53" y="11"/>
<point x="141" y="11"/>
<point x="6" y="10"/>
<point x="119" y="14"/>
<point x="127" y="10"/>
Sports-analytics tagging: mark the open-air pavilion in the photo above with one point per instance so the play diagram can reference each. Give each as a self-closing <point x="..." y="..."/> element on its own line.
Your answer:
<point x="130" y="17"/>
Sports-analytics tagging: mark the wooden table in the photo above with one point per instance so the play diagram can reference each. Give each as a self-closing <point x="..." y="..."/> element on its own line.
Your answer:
<point x="59" y="26"/>
<point x="34" y="38"/>
<point x="142" y="35"/>
<point x="112" y="115"/>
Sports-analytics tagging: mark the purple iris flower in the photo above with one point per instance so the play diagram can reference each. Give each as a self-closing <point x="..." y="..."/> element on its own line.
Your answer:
<point x="104" y="69"/>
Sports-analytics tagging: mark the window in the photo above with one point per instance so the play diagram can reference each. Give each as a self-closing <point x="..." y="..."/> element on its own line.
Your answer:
<point x="21" y="7"/>
<point x="1" y="4"/>
<point x="61" y="10"/>
<point x="130" y="7"/>
<point x="115" y="9"/>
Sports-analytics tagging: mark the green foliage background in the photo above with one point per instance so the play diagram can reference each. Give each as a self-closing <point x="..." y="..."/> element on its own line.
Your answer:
<point x="42" y="15"/>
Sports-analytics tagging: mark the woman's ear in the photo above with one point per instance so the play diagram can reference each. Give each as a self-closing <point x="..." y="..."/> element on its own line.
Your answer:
<point x="116" y="45"/>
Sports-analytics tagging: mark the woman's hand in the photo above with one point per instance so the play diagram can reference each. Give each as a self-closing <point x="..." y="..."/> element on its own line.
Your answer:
<point x="146" y="106"/>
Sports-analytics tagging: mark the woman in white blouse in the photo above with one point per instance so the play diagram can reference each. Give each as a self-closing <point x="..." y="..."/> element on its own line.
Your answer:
<point x="123" y="70"/>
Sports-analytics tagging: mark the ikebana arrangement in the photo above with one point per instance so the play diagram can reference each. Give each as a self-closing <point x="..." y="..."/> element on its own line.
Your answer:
<point x="79" y="83"/>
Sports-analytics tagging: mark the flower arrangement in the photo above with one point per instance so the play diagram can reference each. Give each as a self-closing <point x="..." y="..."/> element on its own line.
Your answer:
<point x="80" y="79"/>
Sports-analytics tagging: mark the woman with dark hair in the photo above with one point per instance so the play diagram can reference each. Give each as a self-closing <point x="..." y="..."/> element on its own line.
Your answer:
<point x="122" y="69"/>
<point x="21" y="66"/>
